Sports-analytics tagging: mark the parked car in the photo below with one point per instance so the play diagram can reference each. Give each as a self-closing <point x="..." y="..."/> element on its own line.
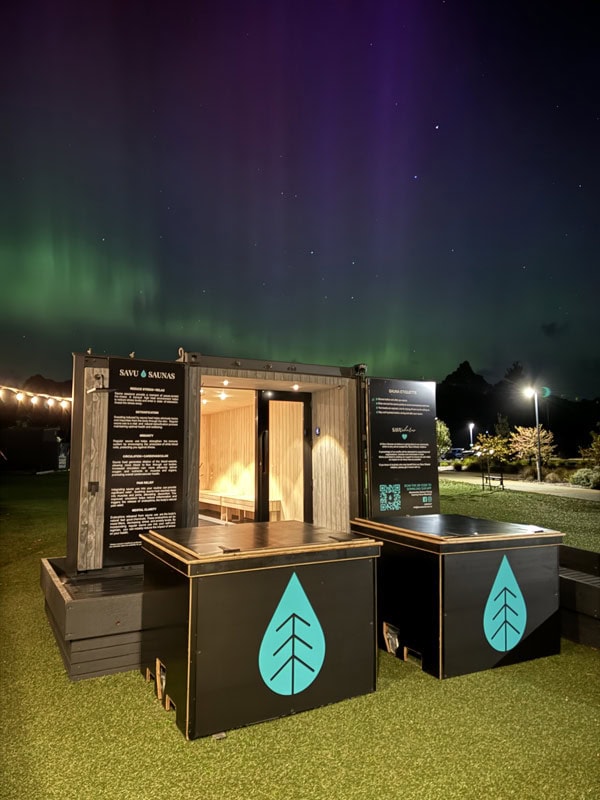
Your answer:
<point x="454" y="453"/>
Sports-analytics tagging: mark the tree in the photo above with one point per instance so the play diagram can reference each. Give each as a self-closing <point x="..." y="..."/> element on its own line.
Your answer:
<point x="591" y="454"/>
<point x="515" y="373"/>
<point x="524" y="443"/>
<point x="502" y="428"/>
<point x="442" y="437"/>
<point x="492" y="449"/>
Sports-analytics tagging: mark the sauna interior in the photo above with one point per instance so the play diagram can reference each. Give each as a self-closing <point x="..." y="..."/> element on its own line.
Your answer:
<point x="228" y="450"/>
<point x="310" y="458"/>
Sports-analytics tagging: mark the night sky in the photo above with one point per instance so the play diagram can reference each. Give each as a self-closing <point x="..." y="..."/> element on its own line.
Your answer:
<point x="408" y="184"/>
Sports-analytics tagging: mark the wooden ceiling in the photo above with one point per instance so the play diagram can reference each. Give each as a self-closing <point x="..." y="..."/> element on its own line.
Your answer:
<point x="222" y="398"/>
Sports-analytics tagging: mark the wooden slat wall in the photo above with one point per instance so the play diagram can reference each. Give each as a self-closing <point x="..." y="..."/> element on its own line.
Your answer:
<point x="286" y="468"/>
<point x="331" y="459"/>
<point x="227" y="452"/>
<point x="93" y="470"/>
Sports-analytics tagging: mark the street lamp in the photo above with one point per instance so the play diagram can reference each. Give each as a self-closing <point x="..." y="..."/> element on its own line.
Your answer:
<point x="531" y="392"/>
<point x="471" y="426"/>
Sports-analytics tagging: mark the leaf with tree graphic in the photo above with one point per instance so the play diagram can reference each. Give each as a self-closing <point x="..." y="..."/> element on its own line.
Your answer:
<point x="505" y="615"/>
<point x="292" y="650"/>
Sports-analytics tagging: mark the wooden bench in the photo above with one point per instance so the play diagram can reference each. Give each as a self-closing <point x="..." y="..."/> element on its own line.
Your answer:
<point x="491" y="479"/>
<point x="228" y="503"/>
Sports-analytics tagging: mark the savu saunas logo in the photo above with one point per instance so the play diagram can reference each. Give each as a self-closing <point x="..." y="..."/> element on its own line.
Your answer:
<point x="505" y="614"/>
<point x="292" y="650"/>
<point x="151" y="373"/>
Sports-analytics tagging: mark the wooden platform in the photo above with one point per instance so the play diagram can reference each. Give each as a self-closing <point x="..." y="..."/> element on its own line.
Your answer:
<point x="579" y="574"/>
<point x="96" y="617"/>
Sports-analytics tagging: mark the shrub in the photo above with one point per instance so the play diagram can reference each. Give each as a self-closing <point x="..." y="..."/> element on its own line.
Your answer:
<point x="564" y="463"/>
<point x="554" y="477"/>
<point x="589" y="478"/>
<point x="529" y="473"/>
<point x="591" y="454"/>
<point x="512" y="467"/>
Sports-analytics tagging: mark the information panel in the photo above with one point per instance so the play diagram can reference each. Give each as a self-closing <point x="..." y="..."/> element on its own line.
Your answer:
<point x="144" y="459"/>
<point x="402" y="447"/>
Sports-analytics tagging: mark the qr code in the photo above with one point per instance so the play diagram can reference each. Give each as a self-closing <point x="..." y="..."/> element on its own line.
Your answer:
<point x="389" y="497"/>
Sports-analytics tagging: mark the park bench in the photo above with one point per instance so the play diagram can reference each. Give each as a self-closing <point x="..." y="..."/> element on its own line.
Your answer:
<point x="491" y="479"/>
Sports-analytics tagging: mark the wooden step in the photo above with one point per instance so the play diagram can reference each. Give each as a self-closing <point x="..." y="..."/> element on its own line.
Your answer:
<point x="579" y="592"/>
<point x="579" y="578"/>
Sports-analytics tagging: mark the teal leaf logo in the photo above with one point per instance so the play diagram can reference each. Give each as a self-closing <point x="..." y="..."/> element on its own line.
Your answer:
<point x="143" y="373"/>
<point x="292" y="650"/>
<point x="405" y="436"/>
<point x="505" y="614"/>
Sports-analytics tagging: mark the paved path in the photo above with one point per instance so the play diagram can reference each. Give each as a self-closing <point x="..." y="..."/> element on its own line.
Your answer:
<point x="557" y="489"/>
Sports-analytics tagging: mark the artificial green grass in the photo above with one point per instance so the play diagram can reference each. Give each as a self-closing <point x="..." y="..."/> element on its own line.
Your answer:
<point x="526" y="731"/>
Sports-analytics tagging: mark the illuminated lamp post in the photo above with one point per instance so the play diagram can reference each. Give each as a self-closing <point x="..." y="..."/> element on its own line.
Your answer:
<point x="471" y="426"/>
<point x="531" y="392"/>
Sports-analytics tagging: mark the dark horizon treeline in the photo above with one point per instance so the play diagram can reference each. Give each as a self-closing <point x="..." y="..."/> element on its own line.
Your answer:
<point x="462" y="397"/>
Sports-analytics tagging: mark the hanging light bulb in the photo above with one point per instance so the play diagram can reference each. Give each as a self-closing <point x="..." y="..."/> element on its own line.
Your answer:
<point x="40" y="397"/>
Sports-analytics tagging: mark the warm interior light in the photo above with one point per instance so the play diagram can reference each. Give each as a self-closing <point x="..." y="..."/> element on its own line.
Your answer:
<point x="19" y="396"/>
<point x="50" y="402"/>
<point x="64" y="403"/>
<point x="295" y="387"/>
<point x="34" y="401"/>
<point x="223" y="396"/>
<point x="225" y="382"/>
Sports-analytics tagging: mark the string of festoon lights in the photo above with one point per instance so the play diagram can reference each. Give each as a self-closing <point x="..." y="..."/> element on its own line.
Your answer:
<point x="40" y="399"/>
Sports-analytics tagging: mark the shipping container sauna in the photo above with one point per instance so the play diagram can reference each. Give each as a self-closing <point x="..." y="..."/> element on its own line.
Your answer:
<point x="158" y="445"/>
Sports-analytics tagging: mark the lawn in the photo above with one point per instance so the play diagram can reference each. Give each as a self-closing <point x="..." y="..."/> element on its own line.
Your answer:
<point x="528" y="731"/>
<point x="579" y="520"/>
